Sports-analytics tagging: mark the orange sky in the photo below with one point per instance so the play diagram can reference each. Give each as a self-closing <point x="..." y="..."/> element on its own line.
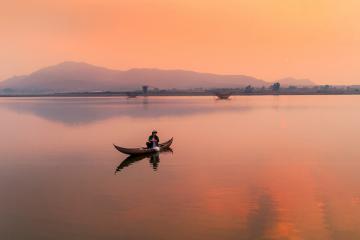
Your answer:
<point x="269" y="39"/>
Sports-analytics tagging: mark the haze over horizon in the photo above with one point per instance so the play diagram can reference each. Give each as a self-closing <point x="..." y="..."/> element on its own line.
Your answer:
<point x="267" y="39"/>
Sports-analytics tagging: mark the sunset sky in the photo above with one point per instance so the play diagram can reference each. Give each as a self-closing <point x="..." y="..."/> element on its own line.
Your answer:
<point x="268" y="39"/>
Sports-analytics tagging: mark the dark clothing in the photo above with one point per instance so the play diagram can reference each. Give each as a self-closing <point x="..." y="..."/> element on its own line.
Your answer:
<point x="151" y="139"/>
<point x="155" y="137"/>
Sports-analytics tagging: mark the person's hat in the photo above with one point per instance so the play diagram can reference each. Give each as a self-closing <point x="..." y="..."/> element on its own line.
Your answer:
<point x="154" y="131"/>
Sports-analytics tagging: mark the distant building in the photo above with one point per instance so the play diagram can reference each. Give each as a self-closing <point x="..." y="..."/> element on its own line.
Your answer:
<point x="145" y="89"/>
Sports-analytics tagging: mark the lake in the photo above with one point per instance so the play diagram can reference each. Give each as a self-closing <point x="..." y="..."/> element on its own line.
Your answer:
<point x="253" y="167"/>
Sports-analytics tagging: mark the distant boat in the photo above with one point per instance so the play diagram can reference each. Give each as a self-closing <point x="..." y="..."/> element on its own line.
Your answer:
<point x="222" y="95"/>
<point x="131" y="94"/>
<point x="136" y="151"/>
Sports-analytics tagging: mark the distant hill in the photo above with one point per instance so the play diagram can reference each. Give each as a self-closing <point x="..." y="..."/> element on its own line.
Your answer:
<point x="295" y="82"/>
<point x="75" y="76"/>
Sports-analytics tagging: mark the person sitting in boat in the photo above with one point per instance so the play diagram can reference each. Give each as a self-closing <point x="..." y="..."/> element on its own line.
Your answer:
<point x="153" y="140"/>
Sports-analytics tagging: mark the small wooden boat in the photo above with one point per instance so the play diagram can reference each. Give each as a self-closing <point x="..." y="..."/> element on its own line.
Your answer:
<point x="136" y="151"/>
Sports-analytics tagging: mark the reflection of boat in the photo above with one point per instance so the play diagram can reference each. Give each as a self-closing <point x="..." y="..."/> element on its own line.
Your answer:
<point x="137" y="151"/>
<point x="154" y="160"/>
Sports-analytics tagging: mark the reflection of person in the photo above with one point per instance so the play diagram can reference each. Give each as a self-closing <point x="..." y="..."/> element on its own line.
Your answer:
<point x="154" y="160"/>
<point x="153" y="140"/>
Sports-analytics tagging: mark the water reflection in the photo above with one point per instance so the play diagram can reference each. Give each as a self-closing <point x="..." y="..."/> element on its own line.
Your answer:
<point x="154" y="160"/>
<point x="262" y="219"/>
<point x="87" y="110"/>
<point x="290" y="172"/>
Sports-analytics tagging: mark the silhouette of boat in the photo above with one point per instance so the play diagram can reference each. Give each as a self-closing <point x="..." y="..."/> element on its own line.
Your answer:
<point x="132" y="94"/>
<point x="137" y="151"/>
<point x="223" y="95"/>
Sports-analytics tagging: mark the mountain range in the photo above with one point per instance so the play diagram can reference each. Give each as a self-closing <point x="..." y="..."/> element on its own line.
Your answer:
<point x="80" y="77"/>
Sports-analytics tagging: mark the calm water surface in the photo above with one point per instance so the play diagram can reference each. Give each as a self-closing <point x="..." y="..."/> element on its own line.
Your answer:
<point x="272" y="167"/>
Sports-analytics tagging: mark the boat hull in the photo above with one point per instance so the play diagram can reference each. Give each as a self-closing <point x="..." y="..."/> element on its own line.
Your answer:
<point x="138" y="151"/>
